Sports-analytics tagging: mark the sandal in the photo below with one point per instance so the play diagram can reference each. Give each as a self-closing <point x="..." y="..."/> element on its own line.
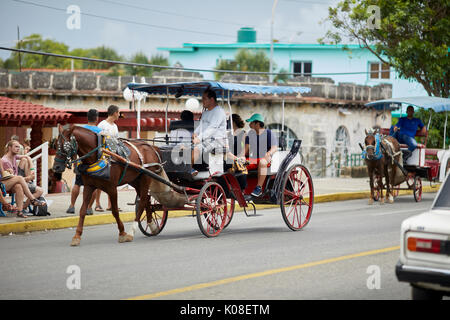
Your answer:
<point x="35" y="202"/>
<point x="99" y="209"/>
<point x="19" y="214"/>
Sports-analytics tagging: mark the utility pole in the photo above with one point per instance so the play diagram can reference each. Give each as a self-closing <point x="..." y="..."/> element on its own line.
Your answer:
<point x="18" y="43"/>
<point x="271" y="41"/>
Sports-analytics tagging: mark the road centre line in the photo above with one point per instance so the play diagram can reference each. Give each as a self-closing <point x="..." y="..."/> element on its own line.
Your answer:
<point x="261" y="274"/>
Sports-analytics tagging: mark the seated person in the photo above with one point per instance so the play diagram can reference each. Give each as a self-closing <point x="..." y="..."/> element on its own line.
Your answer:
<point x="260" y="145"/>
<point x="9" y="162"/>
<point x="405" y="131"/>
<point x="181" y="131"/>
<point x="211" y="133"/>
<point x="18" y="186"/>
<point x="236" y="141"/>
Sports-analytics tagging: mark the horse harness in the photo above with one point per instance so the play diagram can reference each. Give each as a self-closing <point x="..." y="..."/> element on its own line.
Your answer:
<point x="101" y="167"/>
<point x="380" y="142"/>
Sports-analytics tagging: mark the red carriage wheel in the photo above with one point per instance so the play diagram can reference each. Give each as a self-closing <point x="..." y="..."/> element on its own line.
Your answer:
<point x="151" y="223"/>
<point x="211" y="208"/>
<point x="417" y="189"/>
<point x="297" y="199"/>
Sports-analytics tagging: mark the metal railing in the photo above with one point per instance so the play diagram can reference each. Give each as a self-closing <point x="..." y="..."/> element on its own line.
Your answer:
<point x="323" y="163"/>
<point x="40" y="163"/>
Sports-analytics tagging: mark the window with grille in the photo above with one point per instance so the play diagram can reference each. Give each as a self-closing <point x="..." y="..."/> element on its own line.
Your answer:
<point x="379" y="70"/>
<point x="302" y="68"/>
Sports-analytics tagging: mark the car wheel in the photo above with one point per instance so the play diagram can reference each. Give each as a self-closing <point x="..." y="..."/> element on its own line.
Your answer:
<point x="425" y="294"/>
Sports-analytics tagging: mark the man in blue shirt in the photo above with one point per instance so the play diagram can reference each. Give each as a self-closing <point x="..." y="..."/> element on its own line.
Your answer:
<point x="92" y="117"/>
<point x="405" y="130"/>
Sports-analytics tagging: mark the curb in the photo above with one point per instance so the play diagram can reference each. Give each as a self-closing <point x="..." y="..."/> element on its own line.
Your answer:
<point x="107" y="218"/>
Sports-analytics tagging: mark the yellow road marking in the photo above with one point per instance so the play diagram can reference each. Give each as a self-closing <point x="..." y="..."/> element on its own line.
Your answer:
<point x="261" y="274"/>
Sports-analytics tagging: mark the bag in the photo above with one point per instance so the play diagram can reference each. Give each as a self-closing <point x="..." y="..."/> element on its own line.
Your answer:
<point x="41" y="211"/>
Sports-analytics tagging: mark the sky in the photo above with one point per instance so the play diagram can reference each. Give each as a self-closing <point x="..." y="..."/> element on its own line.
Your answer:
<point x="143" y="26"/>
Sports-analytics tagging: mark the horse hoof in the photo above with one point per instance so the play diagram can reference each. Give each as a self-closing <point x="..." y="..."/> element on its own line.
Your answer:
<point x="381" y="201"/>
<point x="125" y="238"/>
<point x="75" y="242"/>
<point x="370" y="202"/>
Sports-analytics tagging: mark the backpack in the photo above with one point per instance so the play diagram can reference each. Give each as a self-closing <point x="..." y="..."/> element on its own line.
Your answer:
<point x="41" y="211"/>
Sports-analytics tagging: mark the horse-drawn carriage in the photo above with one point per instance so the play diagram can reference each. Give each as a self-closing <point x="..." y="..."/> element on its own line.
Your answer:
<point x="212" y="194"/>
<point x="424" y="163"/>
<point x="163" y="180"/>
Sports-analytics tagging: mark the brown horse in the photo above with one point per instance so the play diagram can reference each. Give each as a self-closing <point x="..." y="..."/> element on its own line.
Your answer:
<point x="83" y="142"/>
<point x="379" y="154"/>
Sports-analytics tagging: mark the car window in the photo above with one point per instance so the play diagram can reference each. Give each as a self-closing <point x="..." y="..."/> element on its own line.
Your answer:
<point x="443" y="200"/>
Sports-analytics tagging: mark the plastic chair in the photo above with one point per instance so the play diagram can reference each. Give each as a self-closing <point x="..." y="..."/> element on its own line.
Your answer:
<point x="3" y="191"/>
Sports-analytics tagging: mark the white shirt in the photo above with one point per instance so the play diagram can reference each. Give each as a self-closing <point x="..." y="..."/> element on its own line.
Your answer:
<point x="109" y="129"/>
<point x="213" y="124"/>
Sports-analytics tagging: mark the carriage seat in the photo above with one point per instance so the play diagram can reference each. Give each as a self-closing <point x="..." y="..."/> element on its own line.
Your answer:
<point x="181" y="131"/>
<point x="423" y="136"/>
<point x="181" y="124"/>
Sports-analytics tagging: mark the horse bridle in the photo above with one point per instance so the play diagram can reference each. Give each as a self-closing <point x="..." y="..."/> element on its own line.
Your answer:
<point x="376" y="155"/>
<point x="66" y="150"/>
<point x="69" y="151"/>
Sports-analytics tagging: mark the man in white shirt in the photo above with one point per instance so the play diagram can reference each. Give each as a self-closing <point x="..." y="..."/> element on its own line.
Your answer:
<point x="109" y="128"/>
<point x="211" y="133"/>
<point x="108" y="125"/>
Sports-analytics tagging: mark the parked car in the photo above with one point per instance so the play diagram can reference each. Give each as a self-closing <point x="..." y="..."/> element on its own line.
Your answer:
<point x="425" y="249"/>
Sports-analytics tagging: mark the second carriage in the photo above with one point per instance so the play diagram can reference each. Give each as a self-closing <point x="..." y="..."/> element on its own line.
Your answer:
<point x="424" y="163"/>
<point x="213" y="193"/>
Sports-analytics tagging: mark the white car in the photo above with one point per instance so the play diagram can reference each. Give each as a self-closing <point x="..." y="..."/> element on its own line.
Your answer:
<point x="425" y="249"/>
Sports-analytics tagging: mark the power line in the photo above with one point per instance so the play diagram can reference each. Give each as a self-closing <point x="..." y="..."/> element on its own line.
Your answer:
<point x="126" y="21"/>
<point x="178" y="68"/>
<point x="183" y="15"/>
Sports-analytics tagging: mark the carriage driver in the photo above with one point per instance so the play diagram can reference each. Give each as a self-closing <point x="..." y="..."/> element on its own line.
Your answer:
<point x="211" y="133"/>
<point x="405" y="130"/>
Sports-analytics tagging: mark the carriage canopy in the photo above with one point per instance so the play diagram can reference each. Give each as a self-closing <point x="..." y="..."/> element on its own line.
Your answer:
<point x="435" y="103"/>
<point x="222" y="89"/>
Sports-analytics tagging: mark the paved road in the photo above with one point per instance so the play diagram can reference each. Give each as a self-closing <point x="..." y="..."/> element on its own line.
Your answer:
<point x="254" y="258"/>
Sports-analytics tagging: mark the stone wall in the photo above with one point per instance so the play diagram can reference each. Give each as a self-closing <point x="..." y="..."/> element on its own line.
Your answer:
<point x="315" y="117"/>
<point x="95" y="84"/>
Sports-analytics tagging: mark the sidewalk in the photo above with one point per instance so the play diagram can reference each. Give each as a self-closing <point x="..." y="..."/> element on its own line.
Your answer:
<point x="326" y="190"/>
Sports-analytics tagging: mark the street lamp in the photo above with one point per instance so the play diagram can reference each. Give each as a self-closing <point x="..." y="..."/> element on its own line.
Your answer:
<point x="132" y="95"/>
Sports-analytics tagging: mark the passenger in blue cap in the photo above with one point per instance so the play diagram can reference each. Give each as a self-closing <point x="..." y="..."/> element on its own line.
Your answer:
<point x="260" y="145"/>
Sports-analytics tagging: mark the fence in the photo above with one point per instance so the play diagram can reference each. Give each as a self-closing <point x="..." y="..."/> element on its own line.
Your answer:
<point x="39" y="157"/>
<point x="322" y="163"/>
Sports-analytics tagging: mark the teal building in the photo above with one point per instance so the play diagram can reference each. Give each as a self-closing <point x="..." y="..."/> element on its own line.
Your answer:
<point x="342" y="63"/>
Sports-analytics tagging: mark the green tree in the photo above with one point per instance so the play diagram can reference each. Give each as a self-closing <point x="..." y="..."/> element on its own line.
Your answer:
<point x="36" y="43"/>
<point x="282" y="76"/>
<point x="101" y="52"/>
<point x="245" y="60"/>
<point x="436" y="132"/>
<point x="140" y="57"/>
<point x="412" y="36"/>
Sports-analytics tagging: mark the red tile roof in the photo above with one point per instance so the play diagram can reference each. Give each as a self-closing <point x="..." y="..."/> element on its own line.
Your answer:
<point x="14" y="113"/>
